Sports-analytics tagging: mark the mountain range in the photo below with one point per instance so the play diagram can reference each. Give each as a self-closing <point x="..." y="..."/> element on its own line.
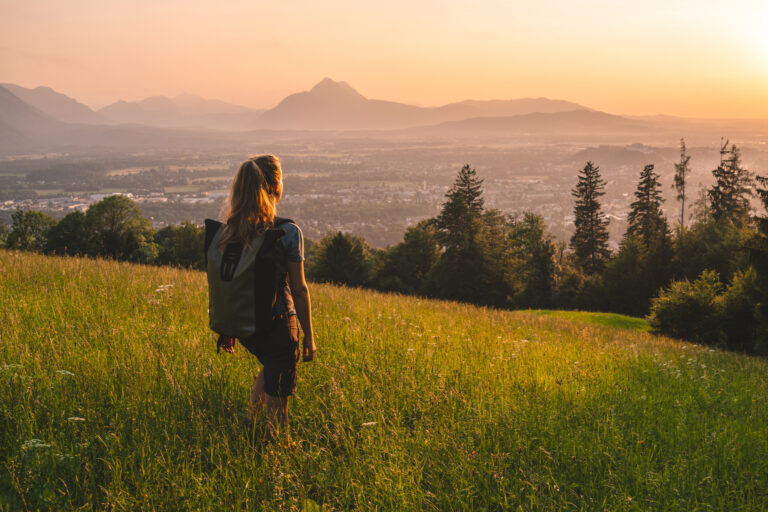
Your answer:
<point x="329" y="105"/>
<point x="333" y="105"/>
<point x="44" y="118"/>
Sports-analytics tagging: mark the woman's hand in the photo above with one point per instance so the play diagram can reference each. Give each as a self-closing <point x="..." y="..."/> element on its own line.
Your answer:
<point x="303" y="305"/>
<point x="308" y="352"/>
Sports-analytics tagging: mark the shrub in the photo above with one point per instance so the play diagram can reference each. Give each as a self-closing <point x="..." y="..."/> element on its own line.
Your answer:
<point x="740" y="321"/>
<point x="404" y="267"/>
<point x="691" y="310"/>
<point x="342" y="259"/>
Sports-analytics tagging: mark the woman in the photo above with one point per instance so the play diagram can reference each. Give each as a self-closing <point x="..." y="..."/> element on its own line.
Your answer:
<point x="249" y="212"/>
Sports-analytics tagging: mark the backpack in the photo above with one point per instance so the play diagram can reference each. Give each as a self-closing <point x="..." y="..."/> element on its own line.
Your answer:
<point x="243" y="283"/>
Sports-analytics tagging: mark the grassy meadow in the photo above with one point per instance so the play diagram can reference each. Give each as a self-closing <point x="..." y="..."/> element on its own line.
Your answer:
<point x="112" y="396"/>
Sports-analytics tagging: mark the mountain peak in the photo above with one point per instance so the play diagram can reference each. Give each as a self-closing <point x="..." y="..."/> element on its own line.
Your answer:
<point x="326" y="86"/>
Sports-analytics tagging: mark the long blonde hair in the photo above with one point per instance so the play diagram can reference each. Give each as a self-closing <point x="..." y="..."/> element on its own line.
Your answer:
<point x="252" y="203"/>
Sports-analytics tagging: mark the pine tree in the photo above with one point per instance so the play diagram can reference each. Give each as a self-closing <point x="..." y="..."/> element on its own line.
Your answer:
<point x="458" y="222"/>
<point x="466" y="269"/>
<point x="682" y="170"/>
<point x="646" y="221"/>
<point x="642" y="265"/>
<point x="758" y="257"/>
<point x="729" y="196"/>
<point x="589" y="241"/>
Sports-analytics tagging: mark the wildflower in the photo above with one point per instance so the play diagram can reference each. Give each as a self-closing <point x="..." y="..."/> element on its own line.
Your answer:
<point x="75" y="418"/>
<point x="34" y="444"/>
<point x="65" y="373"/>
<point x="12" y="366"/>
<point x="369" y="423"/>
<point x="163" y="288"/>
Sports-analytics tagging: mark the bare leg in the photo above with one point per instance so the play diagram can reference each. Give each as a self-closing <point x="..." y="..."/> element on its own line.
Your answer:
<point x="277" y="414"/>
<point x="256" y="402"/>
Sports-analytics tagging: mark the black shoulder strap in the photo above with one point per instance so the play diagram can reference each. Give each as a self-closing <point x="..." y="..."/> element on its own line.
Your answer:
<point x="211" y="227"/>
<point x="282" y="220"/>
<point x="272" y="235"/>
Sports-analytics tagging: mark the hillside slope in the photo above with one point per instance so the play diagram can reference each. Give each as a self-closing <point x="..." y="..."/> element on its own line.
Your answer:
<point x="112" y="396"/>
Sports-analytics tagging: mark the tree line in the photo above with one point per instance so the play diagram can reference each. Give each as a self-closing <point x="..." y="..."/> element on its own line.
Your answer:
<point x="706" y="282"/>
<point x="111" y="228"/>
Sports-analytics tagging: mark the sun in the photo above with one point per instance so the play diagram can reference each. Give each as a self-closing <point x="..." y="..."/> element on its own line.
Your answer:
<point x="762" y="33"/>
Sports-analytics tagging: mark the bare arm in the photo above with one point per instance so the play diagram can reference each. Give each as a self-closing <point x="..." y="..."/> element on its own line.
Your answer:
<point x="303" y="305"/>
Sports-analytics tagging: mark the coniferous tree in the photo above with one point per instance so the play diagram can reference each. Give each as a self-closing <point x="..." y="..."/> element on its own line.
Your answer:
<point x="729" y="196"/>
<point x="471" y="266"/>
<point x="641" y="266"/>
<point x="533" y="261"/>
<point x="646" y="221"/>
<point x="459" y="220"/>
<point x="457" y="273"/>
<point x="758" y="257"/>
<point x="589" y="241"/>
<point x="682" y="169"/>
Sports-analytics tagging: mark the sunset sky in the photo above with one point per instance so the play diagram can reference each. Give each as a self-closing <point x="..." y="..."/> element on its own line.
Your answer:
<point x="691" y="58"/>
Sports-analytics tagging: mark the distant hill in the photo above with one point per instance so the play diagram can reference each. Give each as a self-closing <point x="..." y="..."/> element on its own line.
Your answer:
<point x="495" y="108"/>
<point x="22" y="124"/>
<point x="575" y="122"/>
<point x="55" y="104"/>
<point x="25" y="128"/>
<point x="331" y="105"/>
<point x="183" y="111"/>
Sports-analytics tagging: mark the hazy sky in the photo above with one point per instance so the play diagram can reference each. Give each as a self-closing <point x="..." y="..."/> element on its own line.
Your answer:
<point x="695" y="58"/>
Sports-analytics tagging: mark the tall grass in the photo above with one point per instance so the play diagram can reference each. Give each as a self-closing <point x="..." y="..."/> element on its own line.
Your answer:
<point x="112" y="397"/>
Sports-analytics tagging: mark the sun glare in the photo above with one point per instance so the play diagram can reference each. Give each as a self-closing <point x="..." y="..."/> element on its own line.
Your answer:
<point x="762" y="34"/>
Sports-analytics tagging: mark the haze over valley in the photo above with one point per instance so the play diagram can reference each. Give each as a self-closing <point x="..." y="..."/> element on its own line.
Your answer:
<point x="366" y="166"/>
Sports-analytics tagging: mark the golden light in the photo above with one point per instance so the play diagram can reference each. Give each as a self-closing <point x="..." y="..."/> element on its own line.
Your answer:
<point x="762" y="33"/>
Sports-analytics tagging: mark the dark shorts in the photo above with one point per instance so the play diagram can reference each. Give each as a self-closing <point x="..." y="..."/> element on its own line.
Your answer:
<point x="278" y="351"/>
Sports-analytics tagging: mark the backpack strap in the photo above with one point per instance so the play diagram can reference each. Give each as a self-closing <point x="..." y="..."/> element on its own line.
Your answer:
<point x="211" y="227"/>
<point x="283" y="220"/>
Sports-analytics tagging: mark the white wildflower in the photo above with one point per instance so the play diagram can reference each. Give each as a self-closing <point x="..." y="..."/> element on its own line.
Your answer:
<point x="12" y="366"/>
<point x="34" y="444"/>
<point x="369" y="423"/>
<point x="65" y="373"/>
<point x="75" y="418"/>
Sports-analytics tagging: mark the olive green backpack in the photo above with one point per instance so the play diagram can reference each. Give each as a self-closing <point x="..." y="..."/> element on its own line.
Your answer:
<point x="243" y="282"/>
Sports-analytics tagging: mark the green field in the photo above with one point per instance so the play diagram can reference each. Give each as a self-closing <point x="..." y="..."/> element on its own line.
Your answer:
<point x="112" y="397"/>
<point x="607" y="319"/>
